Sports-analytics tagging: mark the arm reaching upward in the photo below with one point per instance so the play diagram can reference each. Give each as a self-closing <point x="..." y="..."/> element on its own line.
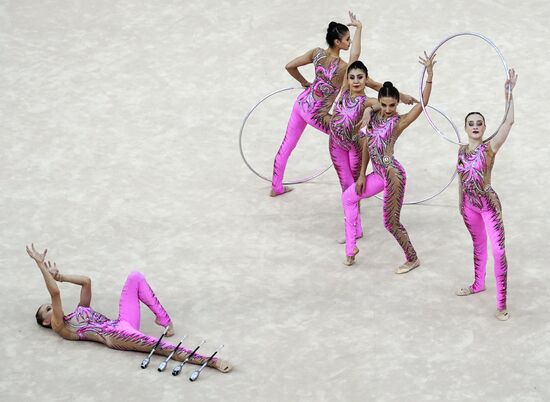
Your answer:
<point x="500" y="137"/>
<point x="412" y="115"/>
<point x="51" y="285"/>
<point x="355" y="50"/>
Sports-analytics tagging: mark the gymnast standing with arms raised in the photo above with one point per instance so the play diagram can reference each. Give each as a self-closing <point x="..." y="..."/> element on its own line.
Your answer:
<point x="379" y="136"/>
<point x="479" y="204"/>
<point x="85" y="324"/>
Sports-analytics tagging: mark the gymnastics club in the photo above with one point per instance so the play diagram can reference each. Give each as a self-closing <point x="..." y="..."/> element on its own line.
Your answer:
<point x="178" y="368"/>
<point x="146" y="361"/>
<point x="164" y="363"/>
<point x="195" y="374"/>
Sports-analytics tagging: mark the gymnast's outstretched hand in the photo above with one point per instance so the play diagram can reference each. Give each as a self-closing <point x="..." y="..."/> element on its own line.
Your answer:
<point x="429" y="63"/>
<point x="354" y="22"/>
<point x="35" y="255"/>
<point x="511" y="82"/>
<point x="54" y="271"/>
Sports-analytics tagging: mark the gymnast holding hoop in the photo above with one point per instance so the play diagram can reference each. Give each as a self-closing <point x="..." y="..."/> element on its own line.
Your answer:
<point x="85" y="324"/>
<point x="479" y="204"/>
<point x="383" y="128"/>
<point x="314" y="103"/>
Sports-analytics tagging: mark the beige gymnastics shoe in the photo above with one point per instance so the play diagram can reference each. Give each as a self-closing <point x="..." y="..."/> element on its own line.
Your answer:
<point x="286" y="189"/>
<point x="408" y="266"/>
<point x="502" y="315"/>
<point x="350" y="259"/>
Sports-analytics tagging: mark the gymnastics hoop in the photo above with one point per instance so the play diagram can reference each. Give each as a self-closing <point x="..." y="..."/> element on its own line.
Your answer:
<point x="454" y="173"/>
<point x="241" y="143"/>
<point x="508" y="91"/>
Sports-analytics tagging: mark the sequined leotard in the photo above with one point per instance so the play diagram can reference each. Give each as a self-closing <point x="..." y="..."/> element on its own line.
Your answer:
<point x="482" y="212"/>
<point x="388" y="175"/>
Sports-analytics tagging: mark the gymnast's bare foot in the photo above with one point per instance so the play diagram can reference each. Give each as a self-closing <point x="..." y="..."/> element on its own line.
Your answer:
<point x="467" y="291"/>
<point x="223" y="365"/>
<point x="502" y="315"/>
<point x="350" y="259"/>
<point x="408" y="266"/>
<point x="170" y="331"/>
<point x="286" y="189"/>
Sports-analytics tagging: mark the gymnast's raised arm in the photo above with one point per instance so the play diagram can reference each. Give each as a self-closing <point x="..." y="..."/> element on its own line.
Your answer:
<point x="412" y="115"/>
<point x="57" y="316"/>
<point x="498" y="140"/>
<point x="84" y="281"/>
<point x="355" y="50"/>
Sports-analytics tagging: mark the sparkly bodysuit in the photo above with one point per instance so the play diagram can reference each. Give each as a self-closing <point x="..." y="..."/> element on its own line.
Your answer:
<point x="312" y="107"/>
<point x="482" y="213"/>
<point x="388" y="175"/>
<point x="86" y="324"/>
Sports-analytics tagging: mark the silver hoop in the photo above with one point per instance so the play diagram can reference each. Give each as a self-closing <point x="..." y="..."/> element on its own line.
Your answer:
<point x="241" y="143"/>
<point x="454" y="172"/>
<point x="508" y="91"/>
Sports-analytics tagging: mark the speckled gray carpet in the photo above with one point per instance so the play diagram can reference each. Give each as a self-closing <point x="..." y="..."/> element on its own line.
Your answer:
<point x="119" y="137"/>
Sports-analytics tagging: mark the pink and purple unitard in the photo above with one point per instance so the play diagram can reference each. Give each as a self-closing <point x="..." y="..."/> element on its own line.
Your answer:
<point x="312" y="107"/>
<point x="343" y="143"/>
<point x="123" y="333"/>
<point x="480" y="207"/>
<point x="388" y="175"/>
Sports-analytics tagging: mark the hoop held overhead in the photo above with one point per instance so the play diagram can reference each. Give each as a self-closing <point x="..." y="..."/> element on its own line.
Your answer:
<point x="508" y="92"/>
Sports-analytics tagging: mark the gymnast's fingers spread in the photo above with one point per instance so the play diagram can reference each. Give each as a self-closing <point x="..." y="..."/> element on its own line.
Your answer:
<point x="29" y="252"/>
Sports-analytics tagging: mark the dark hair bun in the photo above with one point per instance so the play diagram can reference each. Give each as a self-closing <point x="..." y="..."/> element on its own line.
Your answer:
<point x="388" y="90"/>
<point x="335" y="31"/>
